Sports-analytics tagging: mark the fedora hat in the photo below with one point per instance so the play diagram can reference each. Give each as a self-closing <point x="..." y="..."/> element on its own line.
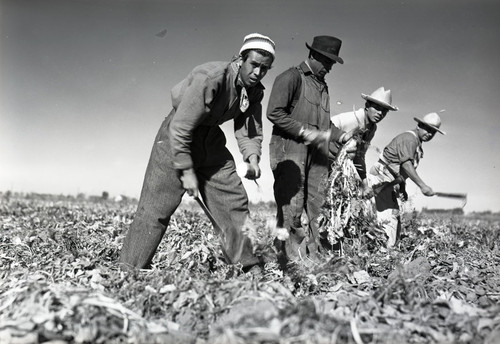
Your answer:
<point x="328" y="46"/>
<point x="381" y="97"/>
<point x="431" y="120"/>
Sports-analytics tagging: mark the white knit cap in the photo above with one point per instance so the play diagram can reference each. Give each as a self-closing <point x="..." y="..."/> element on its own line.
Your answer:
<point x="258" y="41"/>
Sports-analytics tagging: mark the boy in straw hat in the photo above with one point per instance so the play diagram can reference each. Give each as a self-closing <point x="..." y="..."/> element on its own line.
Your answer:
<point x="398" y="162"/>
<point x="189" y="153"/>
<point x="363" y="122"/>
<point x="299" y="108"/>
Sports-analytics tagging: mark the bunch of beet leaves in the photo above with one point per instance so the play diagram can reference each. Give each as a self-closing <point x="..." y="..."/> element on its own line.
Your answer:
<point x="60" y="283"/>
<point x="345" y="213"/>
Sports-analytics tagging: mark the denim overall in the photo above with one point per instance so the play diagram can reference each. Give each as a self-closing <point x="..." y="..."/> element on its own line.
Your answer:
<point x="300" y="171"/>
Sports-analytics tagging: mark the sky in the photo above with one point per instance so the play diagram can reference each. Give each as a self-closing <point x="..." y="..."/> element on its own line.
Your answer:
<point x="85" y="85"/>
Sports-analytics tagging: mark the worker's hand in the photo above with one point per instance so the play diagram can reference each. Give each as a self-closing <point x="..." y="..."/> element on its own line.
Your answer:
<point x="403" y="195"/>
<point x="190" y="182"/>
<point x="316" y="138"/>
<point x="254" y="165"/>
<point x="427" y="191"/>
<point x="366" y="191"/>
<point x="351" y="147"/>
<point x="347" y="136"/>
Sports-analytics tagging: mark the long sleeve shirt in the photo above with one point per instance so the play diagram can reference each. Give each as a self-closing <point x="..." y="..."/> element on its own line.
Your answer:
<point x="284" y="96"/>
<point x="210" y="96"/>
<point x="357" y="121"/>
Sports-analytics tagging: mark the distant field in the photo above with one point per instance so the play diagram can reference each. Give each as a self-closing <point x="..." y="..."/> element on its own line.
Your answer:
<point x="59" y="282"/>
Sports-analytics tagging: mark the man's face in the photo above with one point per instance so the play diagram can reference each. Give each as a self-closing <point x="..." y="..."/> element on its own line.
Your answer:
<point x="425" y="133"/>
<point x="254" y="68"/>
<point x="375" y="112"/>
<point x="321" y="65"/>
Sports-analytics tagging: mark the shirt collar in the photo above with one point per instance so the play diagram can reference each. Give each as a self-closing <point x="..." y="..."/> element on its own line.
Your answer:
<point x="368" y="125"/>
<point x="414" y="132"/>
<point x="306" y="68"/>
<point x="235" y="68"/>
<point x="235" y="76"/>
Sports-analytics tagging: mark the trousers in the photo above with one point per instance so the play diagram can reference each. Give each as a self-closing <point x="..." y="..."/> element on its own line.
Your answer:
<point x="300" y="172"/>
<point x="386" y="202"/>
<point x="220" y="188"/>
<point x="298" y="189"/>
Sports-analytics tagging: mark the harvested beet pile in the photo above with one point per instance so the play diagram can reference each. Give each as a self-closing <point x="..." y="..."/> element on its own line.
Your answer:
<point x="59" y="283"/>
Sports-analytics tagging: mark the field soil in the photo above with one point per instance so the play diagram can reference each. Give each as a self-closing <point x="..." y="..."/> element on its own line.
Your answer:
<point x="60" y="282"/>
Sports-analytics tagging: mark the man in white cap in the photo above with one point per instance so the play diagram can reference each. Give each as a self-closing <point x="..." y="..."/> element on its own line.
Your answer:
<point x="190" y="155"/>
<point x="363" y="123"/>
<point x="299" y="108"/>
<point x="397" y="162"/>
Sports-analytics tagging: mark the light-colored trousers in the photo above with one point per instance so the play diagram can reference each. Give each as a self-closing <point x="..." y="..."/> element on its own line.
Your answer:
<point x="386" y="201"/>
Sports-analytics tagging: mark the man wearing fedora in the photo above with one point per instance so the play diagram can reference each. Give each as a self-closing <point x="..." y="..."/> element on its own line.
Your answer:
<point x="190" y="155"/>
<point x="363" y="122"/>
<point x="299" y="108"/>
<point x="397" y="162"/>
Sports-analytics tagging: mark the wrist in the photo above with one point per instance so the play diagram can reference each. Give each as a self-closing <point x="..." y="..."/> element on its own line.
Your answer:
<point x="253" y="159"/>
<point x="305" y="134"/>
<point x="344" y="137"/>
<point x="188" y="171"/>
<point x="423" y="186"/>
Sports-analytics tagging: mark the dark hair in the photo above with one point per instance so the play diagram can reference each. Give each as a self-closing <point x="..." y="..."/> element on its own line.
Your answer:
<point x="317" y="55"/>
<point x="369" y="103"/>
<point x="244" y="53"/>
<point x="426" y="127"/>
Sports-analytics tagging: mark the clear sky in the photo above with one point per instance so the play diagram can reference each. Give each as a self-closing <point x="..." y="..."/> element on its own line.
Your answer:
<point x="85" y="85"/>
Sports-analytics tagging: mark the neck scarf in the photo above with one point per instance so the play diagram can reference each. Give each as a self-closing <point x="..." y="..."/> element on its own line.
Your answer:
<point x="244" y="102"/>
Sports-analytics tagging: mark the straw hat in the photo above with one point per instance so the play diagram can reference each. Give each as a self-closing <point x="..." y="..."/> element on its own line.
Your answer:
<point x="258" y="41"/>
<point x="431" y="120"/>
<point x="381" y="97"/>
<point x="328" y="46"/>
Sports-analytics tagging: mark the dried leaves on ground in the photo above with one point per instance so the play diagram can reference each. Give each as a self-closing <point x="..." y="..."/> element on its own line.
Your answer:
<point x="59" y="283"/>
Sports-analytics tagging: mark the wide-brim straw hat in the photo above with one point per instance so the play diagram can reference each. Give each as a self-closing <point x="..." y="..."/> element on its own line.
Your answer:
<point x="382" y="97"/>
<point x="328" y="46"/>
<point x="432" y="121"/>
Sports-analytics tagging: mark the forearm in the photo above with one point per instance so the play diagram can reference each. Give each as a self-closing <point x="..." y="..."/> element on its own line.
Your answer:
<point x="337" y="135"/>
<point x="360" y="164"/>
<point x="282" y="120"/>
<point x="408" y="170"/>
<point x="180" y="141"/>
<point x="248" y="132"/>
<point x="251" y="147"/>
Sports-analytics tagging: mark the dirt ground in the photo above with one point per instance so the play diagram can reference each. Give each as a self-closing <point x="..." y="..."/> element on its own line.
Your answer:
<point x="59" y="283"/>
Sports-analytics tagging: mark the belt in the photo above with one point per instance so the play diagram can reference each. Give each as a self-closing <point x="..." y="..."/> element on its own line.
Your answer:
<point x="391" y="171"/>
